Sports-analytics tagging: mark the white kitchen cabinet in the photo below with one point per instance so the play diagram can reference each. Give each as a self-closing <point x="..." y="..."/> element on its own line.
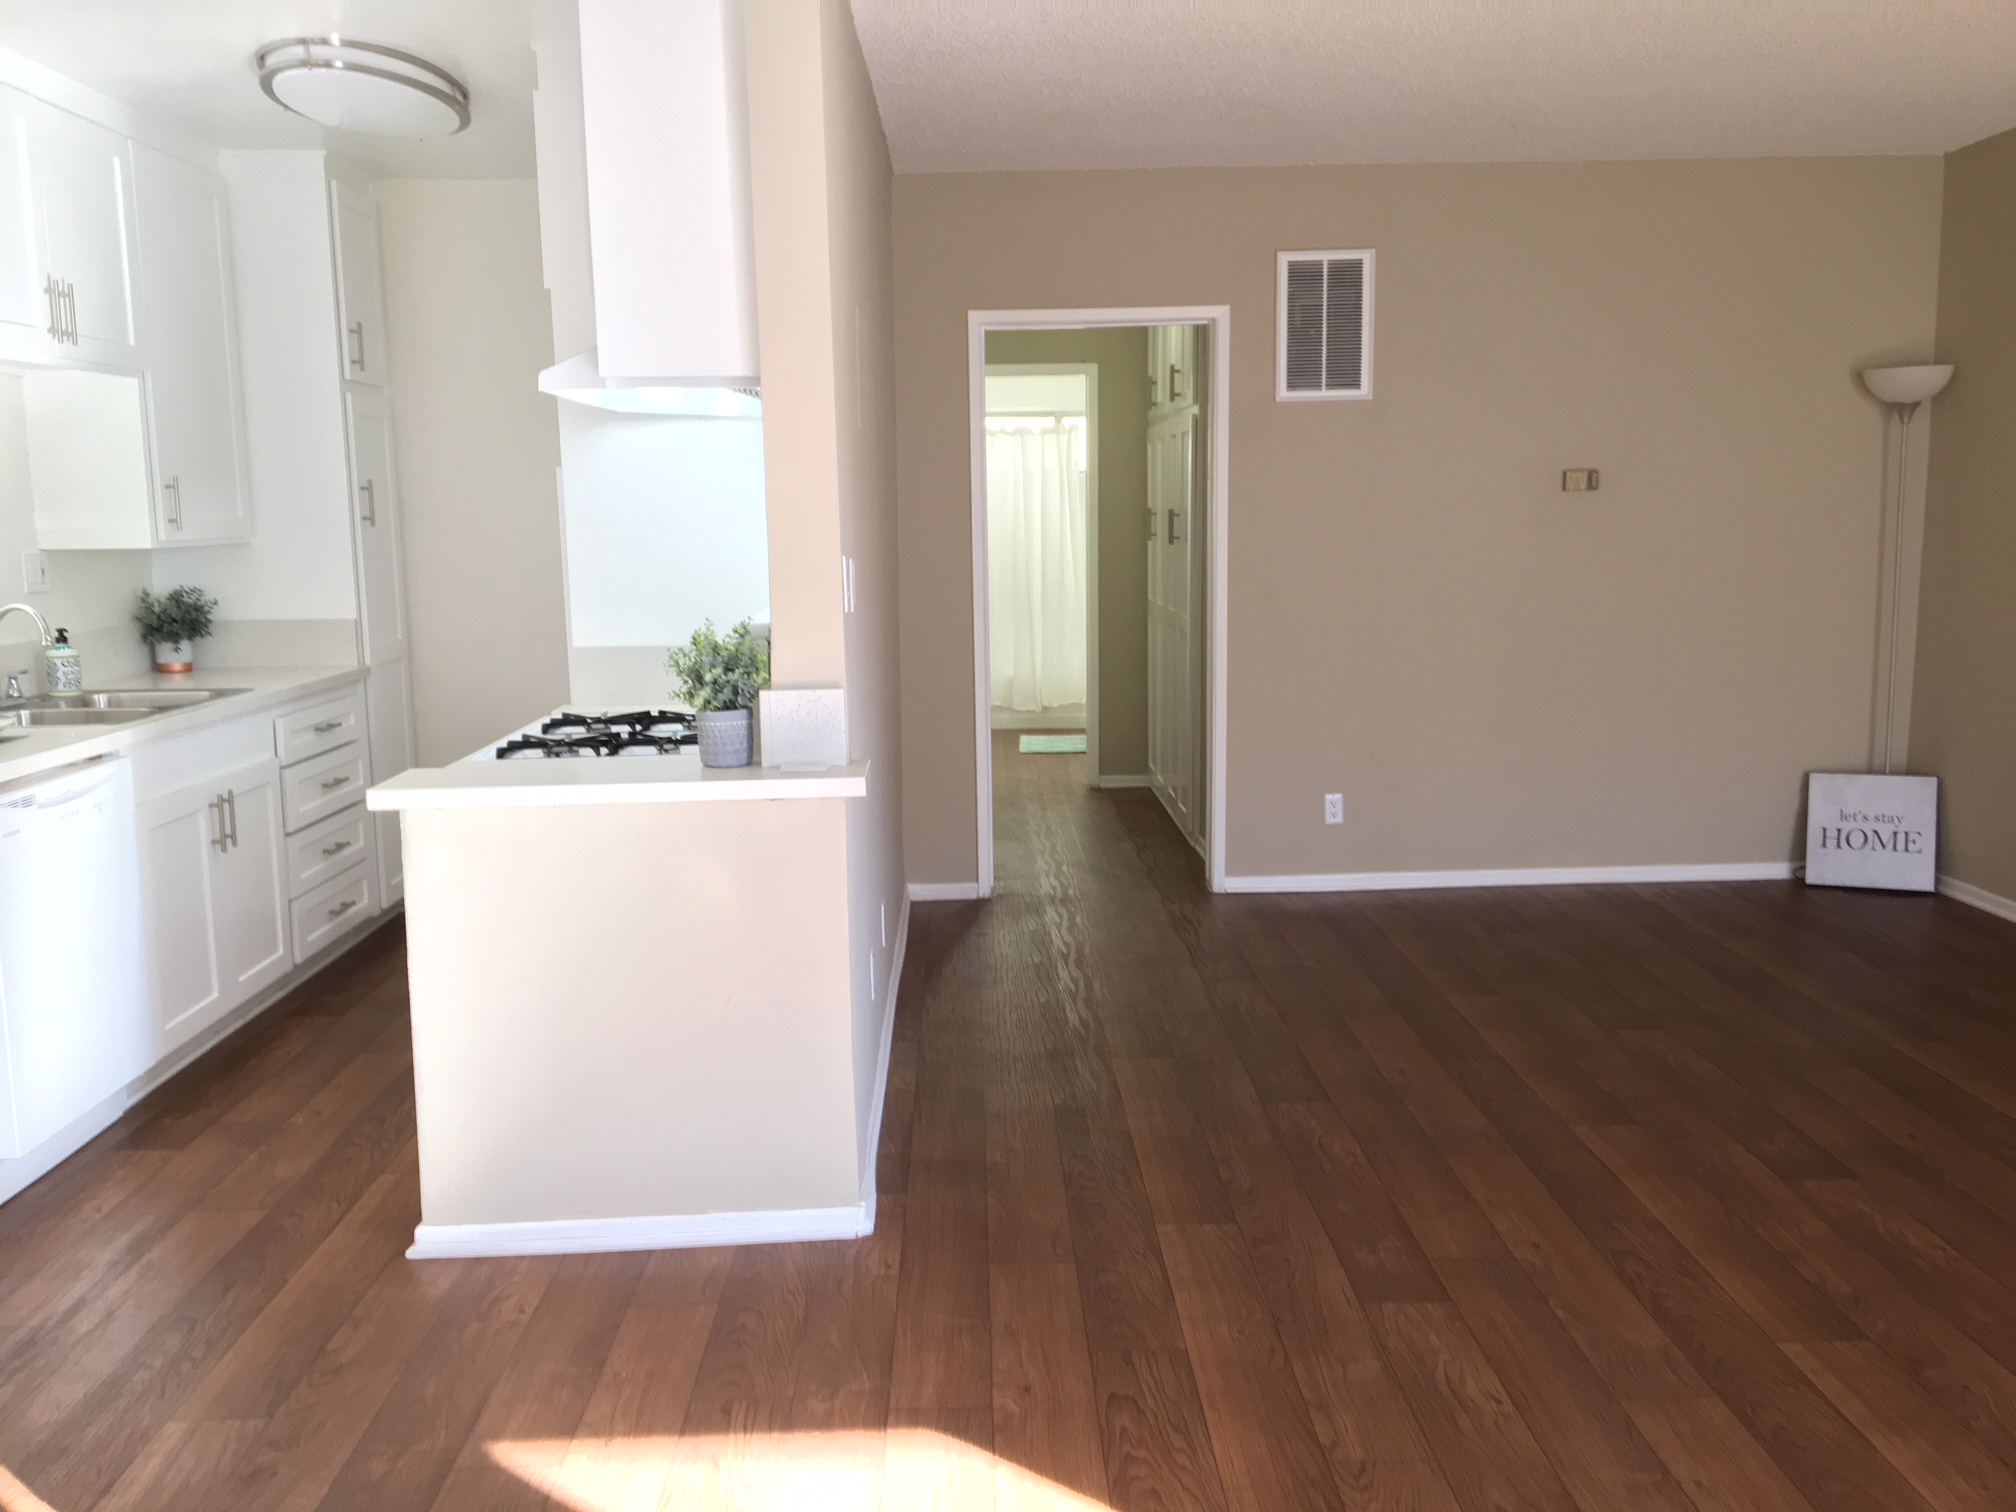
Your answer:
<point x="214" y="875"/>
<point x="26" y="313"/>
<point x="388" y="692"/>
<point x="360" y="295"/>
<point x="85" y="177"/>
<point x="374" y="505"/>
<point x="189" y="347"/>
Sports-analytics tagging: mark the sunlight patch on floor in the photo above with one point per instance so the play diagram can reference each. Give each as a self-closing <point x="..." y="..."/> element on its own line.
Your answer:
<point x="903" y="1470"/>
<point x="15" y="1497"/>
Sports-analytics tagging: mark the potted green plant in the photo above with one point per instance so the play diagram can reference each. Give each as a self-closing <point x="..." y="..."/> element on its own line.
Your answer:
<point x="171" y="621"/>
<point x="720" y="676"/>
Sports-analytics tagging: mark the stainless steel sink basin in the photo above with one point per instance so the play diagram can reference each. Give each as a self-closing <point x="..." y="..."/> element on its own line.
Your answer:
<point x="95" y="708"/>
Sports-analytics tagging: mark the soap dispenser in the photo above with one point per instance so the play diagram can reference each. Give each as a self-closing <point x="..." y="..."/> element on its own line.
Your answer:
<point x="63" y="668"/>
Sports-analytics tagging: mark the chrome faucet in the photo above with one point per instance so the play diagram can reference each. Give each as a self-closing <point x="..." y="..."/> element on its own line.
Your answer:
<point x="41" y="624"/>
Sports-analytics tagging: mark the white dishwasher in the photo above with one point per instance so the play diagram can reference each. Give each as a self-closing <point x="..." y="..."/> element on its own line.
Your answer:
<point x="75" y="1024"/>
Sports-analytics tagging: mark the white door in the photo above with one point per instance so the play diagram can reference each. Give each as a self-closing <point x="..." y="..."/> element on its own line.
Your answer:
<point x="189" y="347"/>
<point x="374" y="508"/>
<point x="84" y="173"/>
<point x="359" y="286"/>
<point x="26" y="313"/>
<point x="249" y="884"/>
<point x="389" y="711"/>
<point x="1171" y="446"/>
<point x="181" y="836"/>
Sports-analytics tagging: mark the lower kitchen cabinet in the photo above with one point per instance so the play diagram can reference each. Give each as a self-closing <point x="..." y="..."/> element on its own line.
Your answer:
<point x="215" y="876"/>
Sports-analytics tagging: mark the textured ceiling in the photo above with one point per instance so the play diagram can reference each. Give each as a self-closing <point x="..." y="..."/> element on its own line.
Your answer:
<point x="189" y="63"/>
<point x="999" y="84"/>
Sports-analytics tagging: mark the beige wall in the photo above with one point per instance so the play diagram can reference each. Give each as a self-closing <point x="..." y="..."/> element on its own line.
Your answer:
<point x="820" y="182"/>
<point x="1964" y="716"/>
<point x="1493" y="673"/>
<point x="1121" y="355"/>
<point x="477" y="445"/>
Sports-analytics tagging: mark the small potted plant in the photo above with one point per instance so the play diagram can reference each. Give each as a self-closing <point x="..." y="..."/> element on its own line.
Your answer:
<point x="720" y="676"/>
<point x="172" y="621"/>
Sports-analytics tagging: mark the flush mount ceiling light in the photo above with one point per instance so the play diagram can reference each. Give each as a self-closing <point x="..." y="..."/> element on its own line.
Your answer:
<point x="361" y="86"/>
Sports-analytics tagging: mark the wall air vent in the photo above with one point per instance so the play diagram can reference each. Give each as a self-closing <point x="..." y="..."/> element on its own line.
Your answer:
<point x="1323" y="326"/>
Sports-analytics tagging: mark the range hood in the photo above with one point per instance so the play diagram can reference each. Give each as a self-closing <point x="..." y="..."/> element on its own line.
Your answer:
<point x="582" y="381"/>
<point x="665" y="136"/>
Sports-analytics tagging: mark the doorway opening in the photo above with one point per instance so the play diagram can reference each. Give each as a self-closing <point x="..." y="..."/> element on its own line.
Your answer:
<point x="1098" y="444"/>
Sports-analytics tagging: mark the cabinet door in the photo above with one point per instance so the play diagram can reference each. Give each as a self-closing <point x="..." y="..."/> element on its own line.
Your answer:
<point x="249" y="884"/>
<point x="374" y="504"/>
<point x="181" y="836"/>
<point x="85" y="177"/>
<point x="190" y="349"/>
<point x="388" y="694"/>
<point x="360" y="291"/>
<point x="25" y="312"/>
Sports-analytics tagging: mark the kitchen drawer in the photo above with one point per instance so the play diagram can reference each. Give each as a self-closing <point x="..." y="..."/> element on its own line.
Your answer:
<point x="322" y="785"/>
<point x="320" y="727"/>
<point x="324" y="850"/>
<point x="334" y="909"/>
<point x="170" y="763"/>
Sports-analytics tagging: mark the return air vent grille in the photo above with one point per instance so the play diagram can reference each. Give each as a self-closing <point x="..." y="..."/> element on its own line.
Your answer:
<point x="1323" y="326"/>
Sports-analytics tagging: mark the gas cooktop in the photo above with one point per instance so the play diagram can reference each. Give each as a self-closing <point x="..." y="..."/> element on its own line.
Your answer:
<point x="644" y="732"/>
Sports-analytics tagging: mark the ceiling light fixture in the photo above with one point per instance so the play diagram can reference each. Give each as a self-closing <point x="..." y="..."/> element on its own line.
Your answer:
<point x="362" y="86"/>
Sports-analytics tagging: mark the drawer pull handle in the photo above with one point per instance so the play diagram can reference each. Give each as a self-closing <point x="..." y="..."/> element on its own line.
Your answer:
<point x="335" y="782"/>
<point x="342" y="908"/>
<point x="327" y="725"/>
<point x="338" y="848"/>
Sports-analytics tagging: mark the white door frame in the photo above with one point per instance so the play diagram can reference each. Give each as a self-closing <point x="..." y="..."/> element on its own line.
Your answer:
<point x="1089" y="371"/>
<point x="978" y="324"/>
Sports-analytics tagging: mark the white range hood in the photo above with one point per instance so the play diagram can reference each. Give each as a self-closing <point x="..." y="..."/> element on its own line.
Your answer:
<point x="665" y="136"/>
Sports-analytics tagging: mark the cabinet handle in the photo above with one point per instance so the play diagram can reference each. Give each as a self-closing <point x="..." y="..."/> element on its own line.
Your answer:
<point x="337" y="849"/>
<point x="357" y="337"/>
<point x="334" y="783"/>
<point x="1172" y="528"/>
<point x="342" y="908"/>
<point x="70" y="311"/>
<point x="231" y="809"/>
<point x="222" y="839"/>
<point x="327" y="725"/>
<point x="367" y="501"/>
<point x="52" y="292"/>
<point x="172" y="490"/>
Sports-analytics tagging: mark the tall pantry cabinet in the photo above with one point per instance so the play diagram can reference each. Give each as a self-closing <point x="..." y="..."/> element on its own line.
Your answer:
<point x="314" y="330"/>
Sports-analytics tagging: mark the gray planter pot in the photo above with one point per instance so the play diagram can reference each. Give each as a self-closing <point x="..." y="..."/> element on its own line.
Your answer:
<point x="724" y="738"/>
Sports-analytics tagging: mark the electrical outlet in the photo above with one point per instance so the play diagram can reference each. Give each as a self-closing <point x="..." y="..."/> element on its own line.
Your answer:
<point x="1333" y="808"/>
<point x="35" y="571"/>
<point x="1581" y="480"/>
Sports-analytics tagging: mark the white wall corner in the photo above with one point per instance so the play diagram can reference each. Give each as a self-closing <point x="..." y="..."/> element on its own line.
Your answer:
<point x="803" y="726"/>
<point x="943" y="892"/>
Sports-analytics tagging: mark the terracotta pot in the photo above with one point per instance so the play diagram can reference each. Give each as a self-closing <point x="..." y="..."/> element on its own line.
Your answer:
<point x="174" y="656"/>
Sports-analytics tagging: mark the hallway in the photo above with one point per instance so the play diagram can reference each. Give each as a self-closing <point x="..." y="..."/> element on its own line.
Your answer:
<point x="1587" y="1200"/>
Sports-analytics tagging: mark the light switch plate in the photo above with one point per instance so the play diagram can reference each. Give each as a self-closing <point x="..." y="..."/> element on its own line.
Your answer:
<point x="1581" y="480"/>
<point x="35" y="571"/>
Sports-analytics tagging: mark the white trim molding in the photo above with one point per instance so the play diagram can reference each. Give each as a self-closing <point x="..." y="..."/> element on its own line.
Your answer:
<point x="978" y="324"/>
<point x="596" y="1236"/>
<point x="871" y="1155"/>
<point x="1544" y="876"/>
<point x="1978" y="897"/>
<point x="943" y="892"/>
<point x="1126" y="780"/>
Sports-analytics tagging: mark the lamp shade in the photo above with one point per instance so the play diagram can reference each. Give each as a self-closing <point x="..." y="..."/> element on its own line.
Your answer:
<point x="1908" y="385"/>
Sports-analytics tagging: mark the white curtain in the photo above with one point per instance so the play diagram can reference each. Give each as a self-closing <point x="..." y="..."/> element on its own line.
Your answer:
<point x="1036" y="560"/>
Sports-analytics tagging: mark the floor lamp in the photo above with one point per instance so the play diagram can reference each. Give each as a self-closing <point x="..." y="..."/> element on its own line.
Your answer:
<point x="1903" y="389"/>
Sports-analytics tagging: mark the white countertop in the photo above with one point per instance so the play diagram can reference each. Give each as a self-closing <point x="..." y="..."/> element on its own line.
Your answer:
<point x="614" y="779"/>
<point x="35" y="750"/>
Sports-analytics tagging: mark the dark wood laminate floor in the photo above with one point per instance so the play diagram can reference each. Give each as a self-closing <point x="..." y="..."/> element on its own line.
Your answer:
<point x="1688" y="1199"/>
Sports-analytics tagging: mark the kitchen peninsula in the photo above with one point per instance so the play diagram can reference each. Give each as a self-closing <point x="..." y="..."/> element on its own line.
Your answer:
<point x="631" y="1020"/>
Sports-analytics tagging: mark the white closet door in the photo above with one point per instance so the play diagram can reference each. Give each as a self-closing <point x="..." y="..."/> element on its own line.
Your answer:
<point x="1170" y="756"/>
<point x="375" y="513"/>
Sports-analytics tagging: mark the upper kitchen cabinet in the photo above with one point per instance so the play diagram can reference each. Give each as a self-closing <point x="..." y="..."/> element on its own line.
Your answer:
<point x="27" y="306"/>
<point x="84" y="176"/>
<point x="360" y="295"/>
<point x="189" y="347"/>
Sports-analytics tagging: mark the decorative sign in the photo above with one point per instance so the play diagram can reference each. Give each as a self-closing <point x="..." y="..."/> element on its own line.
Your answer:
<point x="1872" y="831"/>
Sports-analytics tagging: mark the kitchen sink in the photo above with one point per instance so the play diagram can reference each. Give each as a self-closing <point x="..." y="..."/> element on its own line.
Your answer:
<point x="91" y="708"/>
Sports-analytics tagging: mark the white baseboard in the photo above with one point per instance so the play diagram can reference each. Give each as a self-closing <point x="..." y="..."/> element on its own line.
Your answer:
<point x="943" y="892"/>
<point x="595" y="1236"/>
<point x="1547" y="876"/>
<point x="1125" y="780"/>
<point x="1978" y="897"/>
<point x="1064" y="717"/>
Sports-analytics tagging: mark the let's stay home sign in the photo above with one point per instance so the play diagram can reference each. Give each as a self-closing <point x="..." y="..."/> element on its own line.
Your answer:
<point x="1872" y="831"/>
